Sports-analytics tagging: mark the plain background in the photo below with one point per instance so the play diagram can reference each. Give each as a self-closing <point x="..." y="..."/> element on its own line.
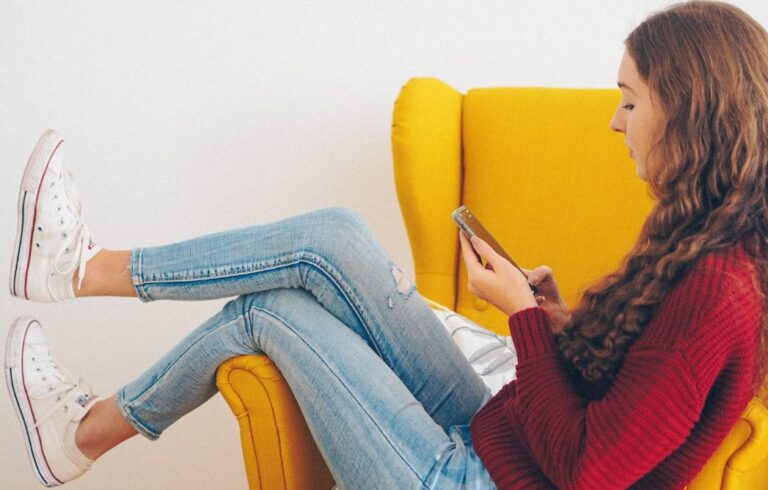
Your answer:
<point x="185" y="117"/>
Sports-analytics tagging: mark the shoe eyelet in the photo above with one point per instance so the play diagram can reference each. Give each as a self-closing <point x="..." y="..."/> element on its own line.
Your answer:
<point x="37" y="245"/>
<point x="43" y="378"/>
<point x="58" y="398"/>
<point x="55" y="196"/>
<point x="39" y="228"/>
<point x="58" y="208"/>
<point x="50" y="388"/>
<point x="66" y="251"/>
<point x="61" y="222"/>
<point x="65" y="408"/>
<point x="63" y="235"/>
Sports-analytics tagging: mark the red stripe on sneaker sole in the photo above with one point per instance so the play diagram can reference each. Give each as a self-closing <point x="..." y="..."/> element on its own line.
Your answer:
<point x="29" y="402"/>
<point x="34" y="218"/>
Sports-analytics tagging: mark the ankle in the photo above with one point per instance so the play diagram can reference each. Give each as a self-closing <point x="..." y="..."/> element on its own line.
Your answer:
<point x="91" y="276"/>
<point x="102" y="428"/>
<point x="108" y="273"/>
<point x="86" y="438"/>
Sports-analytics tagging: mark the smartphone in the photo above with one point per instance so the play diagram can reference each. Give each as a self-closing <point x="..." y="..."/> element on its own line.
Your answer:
<point x="471" y="226"/>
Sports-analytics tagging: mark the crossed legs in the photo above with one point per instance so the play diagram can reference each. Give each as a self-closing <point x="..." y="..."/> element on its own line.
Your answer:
<point x="323" y="300"/>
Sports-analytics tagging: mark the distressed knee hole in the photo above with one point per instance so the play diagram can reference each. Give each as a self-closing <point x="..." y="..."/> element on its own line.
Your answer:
<point x="404" y="285"/>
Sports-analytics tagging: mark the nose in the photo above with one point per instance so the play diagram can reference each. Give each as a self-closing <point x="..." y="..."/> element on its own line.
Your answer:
<point x="618" y="122"/>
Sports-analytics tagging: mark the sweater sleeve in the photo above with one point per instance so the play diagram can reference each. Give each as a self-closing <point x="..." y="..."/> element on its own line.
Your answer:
<point x="610" y="443"/>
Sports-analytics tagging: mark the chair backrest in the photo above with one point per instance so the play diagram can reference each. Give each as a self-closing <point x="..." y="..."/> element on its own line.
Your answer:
<point x="542" y="170"/>
<point x="540" y="167"/>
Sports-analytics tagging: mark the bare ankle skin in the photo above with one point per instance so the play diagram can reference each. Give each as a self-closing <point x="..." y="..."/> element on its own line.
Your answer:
<point x="102" y="429"/>
<point x="108" y="273"/>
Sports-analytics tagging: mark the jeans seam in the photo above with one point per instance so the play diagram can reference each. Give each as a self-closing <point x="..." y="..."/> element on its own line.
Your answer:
<point x="137" y="278"/>
<point x="302" y="257"/>
<point x="135" y="421"/>
<point x="227" y="273"/>
<point x="171" y="364"/>
<point x="349" y="297"/>
<point x="346" y="387"/>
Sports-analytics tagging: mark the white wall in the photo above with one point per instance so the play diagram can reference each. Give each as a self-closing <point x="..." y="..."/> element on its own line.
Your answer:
<point x="183" y="118"/>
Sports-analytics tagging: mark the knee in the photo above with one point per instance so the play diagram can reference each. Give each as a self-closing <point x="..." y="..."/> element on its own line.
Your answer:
<point x="344" y="217"/>
<point x="343" y="236"/>
<point x="247" y="306"/>
<point x="344" y="224"/>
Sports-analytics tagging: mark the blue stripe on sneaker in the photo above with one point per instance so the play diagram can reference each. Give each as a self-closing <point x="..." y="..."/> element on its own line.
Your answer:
<point x="26" y="430"/>
<point x="21" y="239"/>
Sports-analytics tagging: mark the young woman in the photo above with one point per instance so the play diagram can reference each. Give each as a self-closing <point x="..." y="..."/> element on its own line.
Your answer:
<point x="637" y="386"/>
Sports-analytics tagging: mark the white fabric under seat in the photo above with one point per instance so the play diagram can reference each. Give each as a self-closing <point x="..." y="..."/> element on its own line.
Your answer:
<point x="492" y="356"/>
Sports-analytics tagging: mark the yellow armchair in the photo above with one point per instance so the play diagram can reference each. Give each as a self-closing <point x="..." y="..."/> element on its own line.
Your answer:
<point x="544" y="172"/>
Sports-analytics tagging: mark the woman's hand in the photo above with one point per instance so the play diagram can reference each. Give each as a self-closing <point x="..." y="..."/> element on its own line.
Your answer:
<point x="548" y="297"/>
<point x="499" y="282"/>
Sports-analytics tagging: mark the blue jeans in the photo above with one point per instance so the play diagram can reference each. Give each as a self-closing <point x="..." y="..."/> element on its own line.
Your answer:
<point x="385" y="391"/>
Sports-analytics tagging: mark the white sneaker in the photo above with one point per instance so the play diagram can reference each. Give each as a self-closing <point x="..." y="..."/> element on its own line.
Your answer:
<point x="48" y="402"/>
<point x="51" y="237"/>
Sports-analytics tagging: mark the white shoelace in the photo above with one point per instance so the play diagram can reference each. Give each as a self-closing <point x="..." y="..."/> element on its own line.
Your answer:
<point x="78" y="246"/>
<point x="59" y="384"/>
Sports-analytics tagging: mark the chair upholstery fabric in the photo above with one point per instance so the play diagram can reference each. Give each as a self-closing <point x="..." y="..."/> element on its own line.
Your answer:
<point x="552" y="183"/>
<point x="278" y="449"/>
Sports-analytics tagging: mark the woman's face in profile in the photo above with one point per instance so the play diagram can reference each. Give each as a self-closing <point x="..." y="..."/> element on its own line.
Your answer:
<point x="637" y="117"/>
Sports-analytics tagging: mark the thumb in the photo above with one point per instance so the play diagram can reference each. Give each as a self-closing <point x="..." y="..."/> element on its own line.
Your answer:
<point x="485" y="251"/>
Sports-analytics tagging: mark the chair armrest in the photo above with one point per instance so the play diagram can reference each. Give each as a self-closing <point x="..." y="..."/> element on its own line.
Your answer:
<point x="278" y="449"/>
<point x="748" y="468"/>
<point x="741" y="460"/>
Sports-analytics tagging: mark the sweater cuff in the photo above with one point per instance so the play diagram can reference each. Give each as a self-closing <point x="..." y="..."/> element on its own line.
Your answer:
<point x="530" y="333"/>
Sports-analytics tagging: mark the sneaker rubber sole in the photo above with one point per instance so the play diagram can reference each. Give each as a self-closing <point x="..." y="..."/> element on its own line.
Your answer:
<point x="29" y="192"/>
<point x="14" y="379"/>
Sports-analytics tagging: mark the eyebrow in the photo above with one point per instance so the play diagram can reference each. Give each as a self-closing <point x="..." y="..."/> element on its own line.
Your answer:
<point x="624" y="85"/>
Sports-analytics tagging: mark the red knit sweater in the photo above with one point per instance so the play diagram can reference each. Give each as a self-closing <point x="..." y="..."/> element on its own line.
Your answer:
<point x="683" y="384"/>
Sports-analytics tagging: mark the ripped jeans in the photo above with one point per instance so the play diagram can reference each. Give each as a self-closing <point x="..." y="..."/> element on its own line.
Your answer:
<point x="386" y="393"/>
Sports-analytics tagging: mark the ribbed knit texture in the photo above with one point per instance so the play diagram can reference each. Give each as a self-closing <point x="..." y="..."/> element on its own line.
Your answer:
<point x="684" y="383"/>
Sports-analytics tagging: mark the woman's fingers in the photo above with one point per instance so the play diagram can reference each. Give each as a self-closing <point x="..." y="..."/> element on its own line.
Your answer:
<point x="539" y="275"/>
<point x="534" y="277"/>
<point x="468" y="253"/>
<point x="544" y="271"/>
<point x="485" y="251"/>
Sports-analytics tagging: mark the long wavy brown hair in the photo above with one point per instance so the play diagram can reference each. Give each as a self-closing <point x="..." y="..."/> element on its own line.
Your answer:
<point x="707" y="64"/>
